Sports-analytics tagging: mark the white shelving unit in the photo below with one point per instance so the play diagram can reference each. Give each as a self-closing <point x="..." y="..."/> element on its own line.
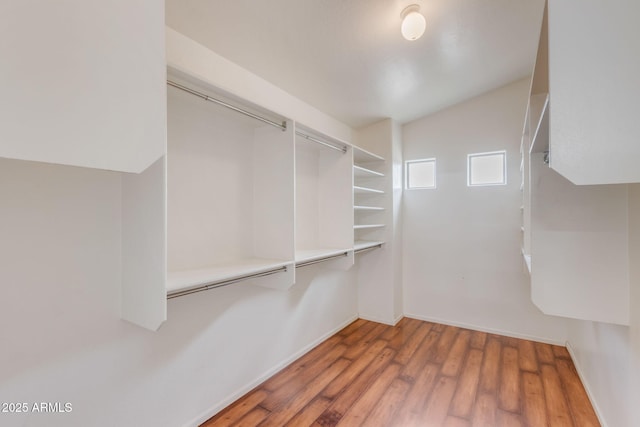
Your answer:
<point x="230" y="195"/>
<point x="243" y="199"/>
<point x="368" y="196"/>
<point x="575" y="272"/>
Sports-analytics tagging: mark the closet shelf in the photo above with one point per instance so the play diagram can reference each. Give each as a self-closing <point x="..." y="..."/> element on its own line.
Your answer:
<point x="366" y="190"/>
<point x="361" y="172"/>
<point x="367" y="208"/>
<point x="363" y="156"/>
<point x="178" y="281"/>
<point x="359" y="245"/>
<point x="365" y="226"/>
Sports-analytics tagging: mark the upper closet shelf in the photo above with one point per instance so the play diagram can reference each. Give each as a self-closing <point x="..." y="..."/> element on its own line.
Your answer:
<point x="180" y="281"/>
<point x="366" y="190"/>
<point x="361" y="172"/>
<point x="364" y="156"/>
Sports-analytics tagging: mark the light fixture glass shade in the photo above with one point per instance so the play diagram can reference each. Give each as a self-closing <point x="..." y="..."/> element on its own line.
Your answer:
<point x="413" y="23"/>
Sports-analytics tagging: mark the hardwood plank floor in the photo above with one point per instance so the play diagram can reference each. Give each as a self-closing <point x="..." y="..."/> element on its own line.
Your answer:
<point x="419" y="374"/>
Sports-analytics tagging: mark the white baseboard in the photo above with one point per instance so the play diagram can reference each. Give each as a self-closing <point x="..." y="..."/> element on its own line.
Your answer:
<point x="483" y="329"/>
<point x="380" y="320"/>
<point x="585" y="383"/>
<point x="271" y="372"/>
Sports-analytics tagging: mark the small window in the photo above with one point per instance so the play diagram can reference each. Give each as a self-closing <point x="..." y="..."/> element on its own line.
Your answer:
<point x="420" y="174"/>
<point x="487" y="168"/>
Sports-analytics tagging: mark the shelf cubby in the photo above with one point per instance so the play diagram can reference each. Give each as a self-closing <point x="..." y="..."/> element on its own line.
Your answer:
<point x="369" y="199"/>
<point x="361" y="172"/>
<point x="366" y="190"/>
<point x="323" y="198"/>
<point x="230" y="195"/>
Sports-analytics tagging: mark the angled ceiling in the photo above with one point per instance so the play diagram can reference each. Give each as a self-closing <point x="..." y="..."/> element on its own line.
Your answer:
<point x="348" y="59"/>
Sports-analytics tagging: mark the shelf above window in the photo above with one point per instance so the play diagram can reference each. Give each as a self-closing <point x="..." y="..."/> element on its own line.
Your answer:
<point x="366" y="190"/>
<point x="359" y="171"/>
<point x="187" y="279"/>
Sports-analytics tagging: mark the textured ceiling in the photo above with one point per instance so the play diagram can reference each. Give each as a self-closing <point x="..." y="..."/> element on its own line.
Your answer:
<point x="348" y="59"/>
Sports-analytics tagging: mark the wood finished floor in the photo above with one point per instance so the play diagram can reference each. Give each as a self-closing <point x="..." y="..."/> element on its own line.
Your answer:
<point x="419" y="374"/>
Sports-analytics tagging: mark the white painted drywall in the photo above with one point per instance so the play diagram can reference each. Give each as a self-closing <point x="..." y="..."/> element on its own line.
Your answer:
<point x="608" y="356"/>
<point x="83" y="82"/>
<point x="144" y="246"/>
<point x="579" y="247"/>
<point x="461" y="253"/>
<point x="63" y="340"/>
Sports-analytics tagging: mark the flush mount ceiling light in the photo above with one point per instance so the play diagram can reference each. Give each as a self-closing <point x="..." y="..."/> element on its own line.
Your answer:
<point x="413" y="23"/>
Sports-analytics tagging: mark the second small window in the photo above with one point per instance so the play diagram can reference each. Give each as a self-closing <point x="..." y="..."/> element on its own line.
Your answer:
<point x="420" y="174"/>
<point x="487" y="168"/>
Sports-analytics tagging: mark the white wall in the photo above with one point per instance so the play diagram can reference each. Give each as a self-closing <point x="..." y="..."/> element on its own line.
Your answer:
<point x="608" y="356"/>
<point x="63" y="341"/>
<point x="461" y="254"/>
<point x="83" y="82"/>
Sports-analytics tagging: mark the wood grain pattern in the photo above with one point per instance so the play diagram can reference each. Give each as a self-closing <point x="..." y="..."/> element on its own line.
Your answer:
<point x="452" y="364"/>
<point x="581" y="409"/>
<point x="465" y="396"/>
<point x="527" y="356"/>
<point x="485" y="411"/>
<point x="418" y="374"/>
<point x="509" y="391"/>
<point x="478" y="339"/>
<point x="555" y="399"/>
<point x="544" y="352"/>
<point x="416" y="399"/>
<point x="385" y="409"/>
<point x="534" y="401"/>
<point x="356" y="415"/>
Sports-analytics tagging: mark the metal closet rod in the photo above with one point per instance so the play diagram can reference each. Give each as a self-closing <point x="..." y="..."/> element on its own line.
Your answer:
<point x="282" y="126"/>
<point x="370" y="248"/>
<point x="326" y="144"/>
<point x="317" y="261"/>
<point x="225" y="283"/>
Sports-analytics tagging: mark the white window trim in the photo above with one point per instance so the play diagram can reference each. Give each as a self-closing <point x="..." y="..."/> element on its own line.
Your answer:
<point x="488" y="153"/>
<point x="435" y="173"/>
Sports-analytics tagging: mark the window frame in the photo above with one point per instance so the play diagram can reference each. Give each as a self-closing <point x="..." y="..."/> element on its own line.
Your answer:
<point x="485" y="154"/>
<point x="426" y="160"/>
